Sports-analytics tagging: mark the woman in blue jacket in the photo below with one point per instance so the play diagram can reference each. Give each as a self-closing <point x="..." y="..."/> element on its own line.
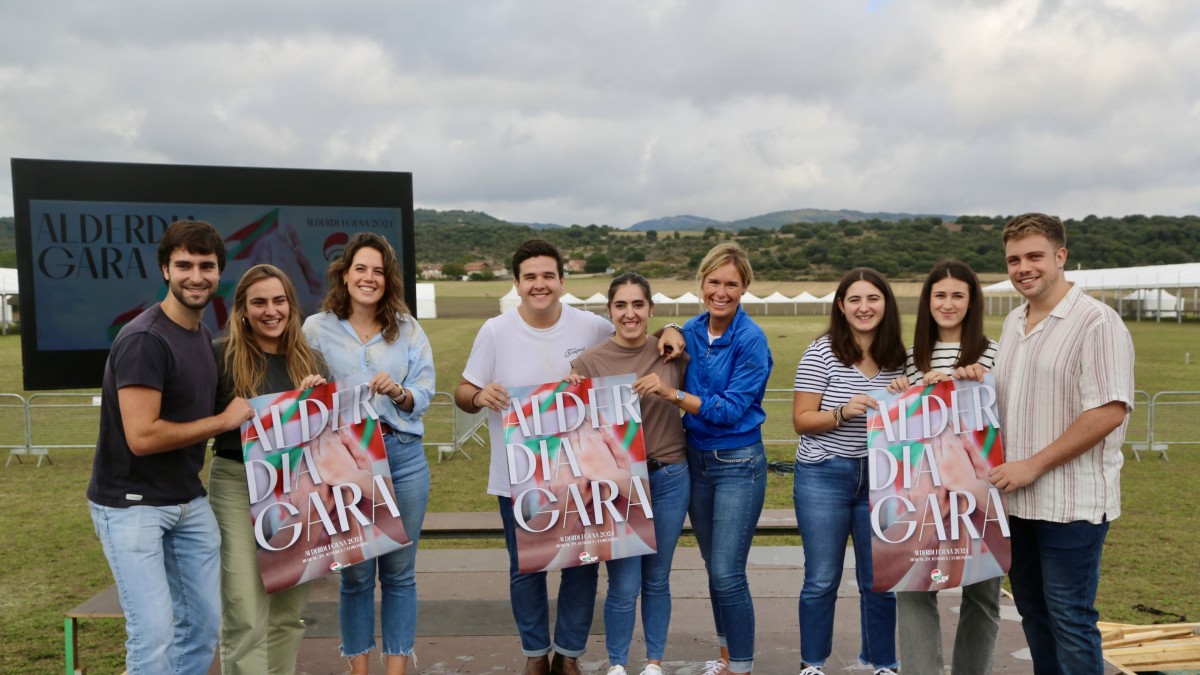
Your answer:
<point x="722" y="396"/>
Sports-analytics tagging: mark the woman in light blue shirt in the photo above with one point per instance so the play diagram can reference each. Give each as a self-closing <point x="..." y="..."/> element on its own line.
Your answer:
<point x="364" y="326"/>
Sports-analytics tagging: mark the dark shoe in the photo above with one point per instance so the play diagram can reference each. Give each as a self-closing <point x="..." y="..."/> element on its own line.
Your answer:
<point x="564" y="665"/>
<point x="537" y="665"/>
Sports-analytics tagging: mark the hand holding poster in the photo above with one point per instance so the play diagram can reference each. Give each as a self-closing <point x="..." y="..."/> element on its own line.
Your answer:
<point x="320" y="488"/>
<point x="577" y="469"/>
<point x="937" y="520"/>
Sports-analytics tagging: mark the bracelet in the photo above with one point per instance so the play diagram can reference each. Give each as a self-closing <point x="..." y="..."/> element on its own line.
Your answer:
<point x="477" y="393"/>
<point x="675" y="326"/>
<point x="400" y="399"/>
<point x="838" y="418"/>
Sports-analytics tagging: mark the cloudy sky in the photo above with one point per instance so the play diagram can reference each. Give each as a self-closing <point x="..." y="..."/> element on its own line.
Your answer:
<point x="617" y="111"/>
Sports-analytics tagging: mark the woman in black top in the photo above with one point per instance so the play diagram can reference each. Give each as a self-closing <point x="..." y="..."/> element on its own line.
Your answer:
<point x="263" y="352"/>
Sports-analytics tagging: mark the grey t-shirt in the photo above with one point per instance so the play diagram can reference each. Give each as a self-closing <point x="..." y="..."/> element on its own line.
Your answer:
<point x="153" y="351"/>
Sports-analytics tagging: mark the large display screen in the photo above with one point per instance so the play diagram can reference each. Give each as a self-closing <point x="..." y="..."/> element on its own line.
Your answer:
<point x="88" y="232"/>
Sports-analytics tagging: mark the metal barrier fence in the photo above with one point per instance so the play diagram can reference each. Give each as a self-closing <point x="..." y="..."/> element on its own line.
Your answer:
<point x="14" y="426"/>
<point x="1175" y="420"/>
<point x="47" y="422"/>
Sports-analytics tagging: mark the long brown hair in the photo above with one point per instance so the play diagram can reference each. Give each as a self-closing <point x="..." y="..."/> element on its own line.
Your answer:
<point x="390" y="309"/>
<point x="887" y="349"/>
<point x="972" y="342"/>
<point x="245" y="361"/>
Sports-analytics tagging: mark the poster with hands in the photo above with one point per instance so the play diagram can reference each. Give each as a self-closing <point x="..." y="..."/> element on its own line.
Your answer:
<point x="937" y="521"/>
<point x="576" y="460"/>
<point x="319" y="483"/>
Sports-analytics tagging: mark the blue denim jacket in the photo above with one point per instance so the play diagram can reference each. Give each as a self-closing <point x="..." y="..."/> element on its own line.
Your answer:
<point x="730" y="377"/>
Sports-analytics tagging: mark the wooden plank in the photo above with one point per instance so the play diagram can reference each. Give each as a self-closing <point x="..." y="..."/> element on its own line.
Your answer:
<point x="487" y="524"/>
<point x="1135" y="638"/>
<point x="105" y="604"/>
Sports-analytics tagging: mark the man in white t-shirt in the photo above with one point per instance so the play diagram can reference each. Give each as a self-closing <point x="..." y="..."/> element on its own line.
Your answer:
<point x="530" y="345"/>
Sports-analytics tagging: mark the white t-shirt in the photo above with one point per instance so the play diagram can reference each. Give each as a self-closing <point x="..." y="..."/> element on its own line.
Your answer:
<point x="512" y="353"/>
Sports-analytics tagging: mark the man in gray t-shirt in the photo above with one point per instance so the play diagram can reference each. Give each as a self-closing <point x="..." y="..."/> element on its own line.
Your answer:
<point x="147" y="504"/>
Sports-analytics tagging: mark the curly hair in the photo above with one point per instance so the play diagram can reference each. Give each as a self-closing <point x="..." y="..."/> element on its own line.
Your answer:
<point x="390" y="310"/>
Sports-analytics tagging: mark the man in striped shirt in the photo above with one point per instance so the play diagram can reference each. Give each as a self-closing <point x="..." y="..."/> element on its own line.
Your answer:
<point x="1064" y="372"/>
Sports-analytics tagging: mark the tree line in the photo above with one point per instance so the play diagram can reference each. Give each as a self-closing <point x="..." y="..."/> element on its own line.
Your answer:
<point x="816" y="250"/>
<point x="819" y="250"/>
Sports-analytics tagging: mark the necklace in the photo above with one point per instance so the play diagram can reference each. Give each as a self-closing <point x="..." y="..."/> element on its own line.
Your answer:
<point x="367" y="334"/>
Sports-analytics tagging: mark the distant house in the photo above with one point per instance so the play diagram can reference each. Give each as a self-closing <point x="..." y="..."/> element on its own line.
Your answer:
<point x="575" y="265"/>
<point x="479" y="267"/>
<point x="432" y="272"/>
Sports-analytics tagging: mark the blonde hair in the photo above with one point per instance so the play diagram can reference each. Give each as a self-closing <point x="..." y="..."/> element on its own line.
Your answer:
<point x="245" y="360"/>
<point x="723" y="254"/>
<point x="1029" y="224"/>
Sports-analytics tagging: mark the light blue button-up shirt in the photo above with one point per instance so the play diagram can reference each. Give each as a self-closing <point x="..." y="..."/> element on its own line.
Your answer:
<point x="409" y="361"/>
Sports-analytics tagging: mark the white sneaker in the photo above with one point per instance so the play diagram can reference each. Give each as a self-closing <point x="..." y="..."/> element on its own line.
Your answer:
<point x="885" y="671"/>
<point x="616" y="670"/>
<point x="812" y="670"/>
<point x="651" y="669"/>
<point x="717" y="667"/>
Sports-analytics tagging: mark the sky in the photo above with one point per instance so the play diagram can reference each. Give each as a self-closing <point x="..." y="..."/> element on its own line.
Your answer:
<point x="619" y="111"/>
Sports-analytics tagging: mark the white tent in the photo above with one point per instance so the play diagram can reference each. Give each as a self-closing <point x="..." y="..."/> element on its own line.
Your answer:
<point x="8" y="287"/>
<point x="816" y="305"/>
<point x="1150" y="277"/>
<point x="426" y="301"/>
<point x="510" y="300"/>
<point x="596" y="299"/>
<point x="1186" y="275"/>
<point x="688" y="301"/>
<point x="778" y="298"/>
<point x="662" y="301"/>
<point x="568" y="299"/>
<point x="1151" y="302"/>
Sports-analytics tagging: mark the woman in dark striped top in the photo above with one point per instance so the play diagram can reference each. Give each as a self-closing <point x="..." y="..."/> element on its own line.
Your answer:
<point x="861" y="352"/>
<point x="949" y="342"/>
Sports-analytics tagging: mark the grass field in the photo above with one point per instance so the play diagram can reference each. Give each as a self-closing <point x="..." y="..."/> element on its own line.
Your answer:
<point x="1151" y="560"/>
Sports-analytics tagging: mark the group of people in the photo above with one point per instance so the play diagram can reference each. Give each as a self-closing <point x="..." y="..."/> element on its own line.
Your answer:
<point x="164" y="383"/>
<point x="1063" y="368"/>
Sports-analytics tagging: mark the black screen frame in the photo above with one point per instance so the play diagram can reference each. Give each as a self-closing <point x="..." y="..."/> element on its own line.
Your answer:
<point x="39" y="179"/>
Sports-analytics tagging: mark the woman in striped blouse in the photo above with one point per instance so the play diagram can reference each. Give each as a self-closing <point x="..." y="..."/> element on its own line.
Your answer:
<point x="949" y="341"/>
<point x="861" y="352"/>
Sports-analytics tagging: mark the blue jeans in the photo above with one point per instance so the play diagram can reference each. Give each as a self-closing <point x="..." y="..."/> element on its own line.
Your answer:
<point x="397" y="570"/>
<point x="1055" y="572"/>
<point x="531" y="602"/>
<point x="670" y="493"/>
<point x="832" y="502"/>
<point x="728" y="489"/>
<point x="156" y="552"/>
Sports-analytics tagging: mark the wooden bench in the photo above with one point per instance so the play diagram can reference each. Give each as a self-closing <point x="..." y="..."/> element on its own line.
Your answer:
<point x="103" y="605"/>
<point x="456" y="525"/>
<point x="487" y="525"/>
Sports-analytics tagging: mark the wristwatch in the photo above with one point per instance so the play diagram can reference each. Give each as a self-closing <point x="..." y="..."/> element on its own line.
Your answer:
<point x="679" y="396"/>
